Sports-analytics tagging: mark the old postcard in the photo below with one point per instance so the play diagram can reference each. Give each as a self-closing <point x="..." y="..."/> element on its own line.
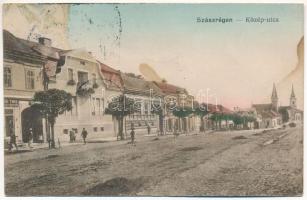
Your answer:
<point x="153" y="99"/>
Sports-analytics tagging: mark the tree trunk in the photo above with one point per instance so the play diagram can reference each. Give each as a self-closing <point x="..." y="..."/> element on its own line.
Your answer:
<point x="120" y="128"/>
<point x="161" y="124"/>
<point x="227" y="124"/>
<point x="52" y="135"/>
<point x="202" y="124"/>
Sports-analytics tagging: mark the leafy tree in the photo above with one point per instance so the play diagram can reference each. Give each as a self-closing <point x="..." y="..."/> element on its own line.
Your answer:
<point x="181" y="113"/>
<point x="120" y="107"/>
<point x="284" y="114"/>
<point x="201" y="110"/>
<point x="217" y="117"/>
<point x="248" y="119"/>
<point x="52" y="103"/>
<point x="237" y="119"/>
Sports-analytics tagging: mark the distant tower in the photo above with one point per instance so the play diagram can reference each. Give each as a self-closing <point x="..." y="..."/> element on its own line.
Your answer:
<point x="274" y="99"/>
<point x="292" y="99"/>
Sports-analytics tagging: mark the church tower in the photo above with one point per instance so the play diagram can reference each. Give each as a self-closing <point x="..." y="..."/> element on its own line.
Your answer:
<point x="292" y="99"/>
<point x="274" y="99"/>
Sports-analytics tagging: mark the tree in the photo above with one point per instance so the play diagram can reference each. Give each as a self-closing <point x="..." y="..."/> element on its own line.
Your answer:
<point x="217" y="117"/>
<point x="237" y="119"/>
<point x="284" y="114"/>
<point x="158" y="110"/>
<point x="120" y="107"/>
<point x="181" y="113"/>
<point x="248" y="119"/>
<point x="52" y="103"/>
<point x="201" y="110"/>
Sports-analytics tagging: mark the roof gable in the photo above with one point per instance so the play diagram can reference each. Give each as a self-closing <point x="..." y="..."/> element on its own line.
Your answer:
<point x="80" y="54"/>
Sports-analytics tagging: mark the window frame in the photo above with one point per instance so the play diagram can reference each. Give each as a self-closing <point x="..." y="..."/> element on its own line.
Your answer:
<point x="68" y="74"/>
<point x="10" y="76"/>
<point x="26" y="79"/>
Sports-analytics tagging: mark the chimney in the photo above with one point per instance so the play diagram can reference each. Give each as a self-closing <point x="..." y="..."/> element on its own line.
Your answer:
<point x="44" y="41"/>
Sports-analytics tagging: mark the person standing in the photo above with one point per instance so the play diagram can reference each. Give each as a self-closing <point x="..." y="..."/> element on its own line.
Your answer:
<point x="132" y="134"/>
<point x="72" y="137"/>
<point x="84" y="135"/>
<point x="30" y="137"/>
<point x="148" y="129"/>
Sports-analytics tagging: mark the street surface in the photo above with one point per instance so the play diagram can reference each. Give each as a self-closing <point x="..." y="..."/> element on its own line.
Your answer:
<point x="236" y="163"/>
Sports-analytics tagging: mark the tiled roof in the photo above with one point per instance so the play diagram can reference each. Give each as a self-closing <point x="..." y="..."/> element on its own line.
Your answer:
<point x="111" y="76"/>
<point x="138" y="85"/>
<point x="262" y="107"/>
<point x="12" y="43"/>
<point x="217" y="108"/>
<point x="168" y="88"/>
<point x="106" y="68"/>
<point x="269" y="114"/>
<point x="25" y="47"/>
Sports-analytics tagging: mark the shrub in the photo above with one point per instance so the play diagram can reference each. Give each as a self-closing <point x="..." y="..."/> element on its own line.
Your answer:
<point x="292" y="124"/>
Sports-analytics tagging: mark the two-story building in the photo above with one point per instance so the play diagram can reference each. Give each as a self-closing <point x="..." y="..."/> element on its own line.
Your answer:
<point x="24" y="64"/>
<point x="80" y="75"/>
<point x="114" y="88"/>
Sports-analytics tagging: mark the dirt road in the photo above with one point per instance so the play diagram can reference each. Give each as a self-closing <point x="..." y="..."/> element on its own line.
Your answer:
<point x="221" y="163"/>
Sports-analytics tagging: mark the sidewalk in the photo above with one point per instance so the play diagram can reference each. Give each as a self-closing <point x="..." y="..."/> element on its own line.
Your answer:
<point x="23" y="147"/>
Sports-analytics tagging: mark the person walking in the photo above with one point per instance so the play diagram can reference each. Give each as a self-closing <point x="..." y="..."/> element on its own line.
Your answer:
<point x="13" y="142"/>
<point x="84" y="135"/>
<point x="30" y="137"/>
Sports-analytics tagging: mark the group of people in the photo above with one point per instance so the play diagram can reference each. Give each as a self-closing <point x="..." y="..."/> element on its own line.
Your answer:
<point x="13" y="141"/>
<point x="72" y="135"/>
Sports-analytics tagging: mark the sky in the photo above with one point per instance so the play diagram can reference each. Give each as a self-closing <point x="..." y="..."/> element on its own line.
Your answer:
<point x="236" y="62"/>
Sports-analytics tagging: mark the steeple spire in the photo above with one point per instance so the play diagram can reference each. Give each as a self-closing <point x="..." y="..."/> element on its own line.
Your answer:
<point x="292" y="92"/>
<point x="292" y="98"/>
<point x="274" y="98"/>
<point x="274" y="93"/>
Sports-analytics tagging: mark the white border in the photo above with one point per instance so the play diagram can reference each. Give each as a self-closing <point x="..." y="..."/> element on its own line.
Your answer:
<point x="136" y="1"/>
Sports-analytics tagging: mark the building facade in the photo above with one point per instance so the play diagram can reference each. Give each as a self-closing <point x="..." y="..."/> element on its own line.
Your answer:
<point x="81" y="76"/>
<point x="114" y="88"/>
<point x="144" y="93"/>
<point x="267" y="114"/>
<point x="291" y="113"/>
<point x="176" y="97"/>
<point x="24" y="62"/>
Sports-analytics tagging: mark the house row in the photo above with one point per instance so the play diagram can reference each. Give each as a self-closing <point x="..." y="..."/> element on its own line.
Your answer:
<point x="35" y="66"/>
